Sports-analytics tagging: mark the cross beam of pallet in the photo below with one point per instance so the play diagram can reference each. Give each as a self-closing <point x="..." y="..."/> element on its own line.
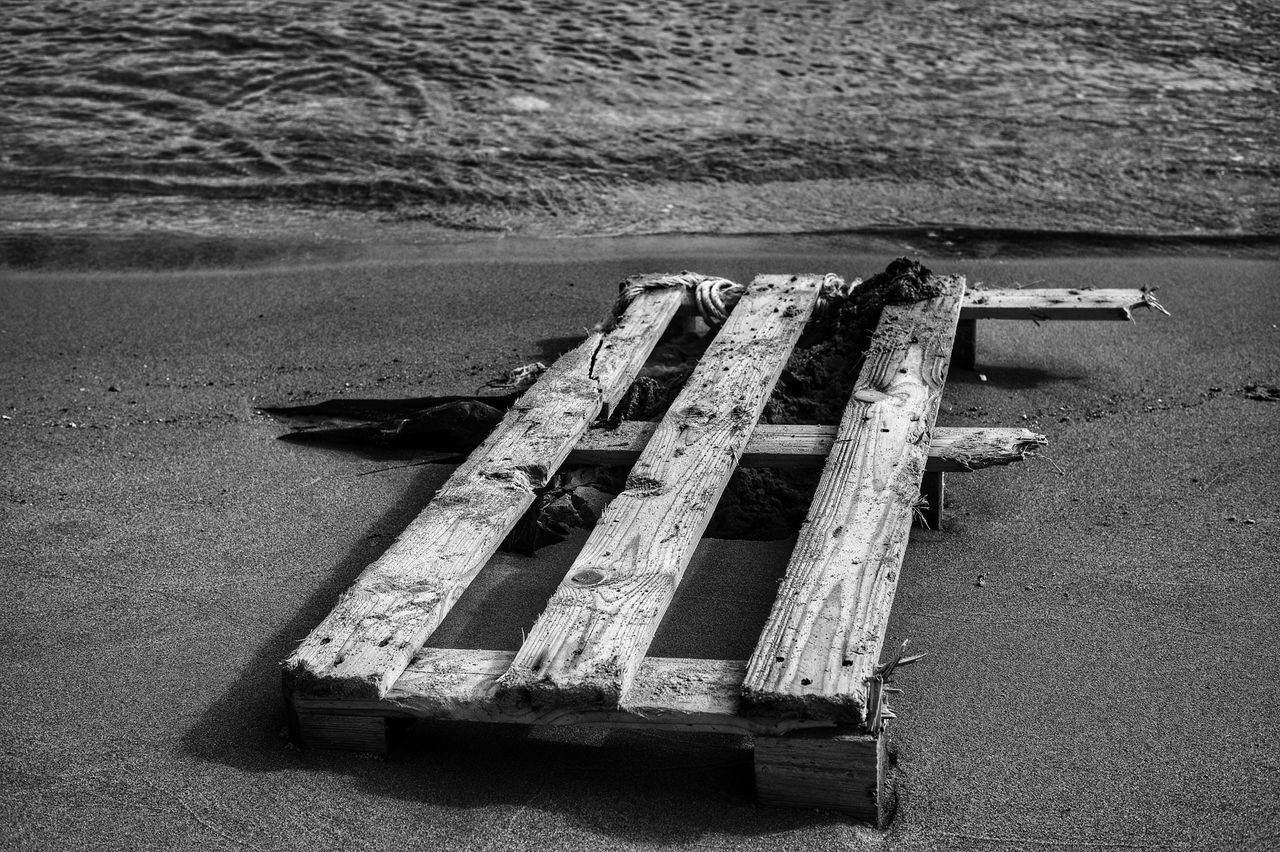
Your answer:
<point x="1039" y="303"/>
<point x="1036" y="304"/>
<point x="818" y="651"/>
<point x="798" y="763"/>
<point x="364" y="644"/>
<point x="587" y="647"/>
<point x="461" y="684"/>
<point x="951" y="449"/>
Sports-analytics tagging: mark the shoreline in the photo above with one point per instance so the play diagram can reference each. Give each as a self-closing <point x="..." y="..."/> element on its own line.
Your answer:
<point x="107" y="252"/>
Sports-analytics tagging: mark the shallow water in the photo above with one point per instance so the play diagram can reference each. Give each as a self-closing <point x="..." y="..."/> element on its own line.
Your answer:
<point x="627" y="117"/>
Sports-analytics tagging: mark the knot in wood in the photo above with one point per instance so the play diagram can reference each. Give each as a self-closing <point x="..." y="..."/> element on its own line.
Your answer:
<point x="871" y="396"/>
<point x="695" y="415"/>
<point x="528" y="476"/>
<point x="644" y="486"/>
<point x="587" y="577"/>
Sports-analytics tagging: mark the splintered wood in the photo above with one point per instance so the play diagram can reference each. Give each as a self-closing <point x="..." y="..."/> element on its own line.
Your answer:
<point x="804" y="694"/>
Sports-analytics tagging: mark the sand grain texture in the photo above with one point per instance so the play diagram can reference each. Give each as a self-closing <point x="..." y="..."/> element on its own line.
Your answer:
<point x="1111" y="684"/>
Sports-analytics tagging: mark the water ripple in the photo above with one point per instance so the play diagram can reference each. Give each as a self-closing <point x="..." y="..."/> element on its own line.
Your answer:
<point x="592" y="116"/>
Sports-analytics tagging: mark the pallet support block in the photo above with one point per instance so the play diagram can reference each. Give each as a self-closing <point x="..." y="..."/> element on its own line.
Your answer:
<point x="359" y="734"/>
<point x="829" y="769"/>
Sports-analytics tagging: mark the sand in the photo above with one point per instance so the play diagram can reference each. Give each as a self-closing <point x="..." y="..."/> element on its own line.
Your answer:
<point x="1111" y="684"/>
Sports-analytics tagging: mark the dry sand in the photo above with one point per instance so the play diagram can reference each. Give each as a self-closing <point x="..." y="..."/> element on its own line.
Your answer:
<point x="1113" y="683"/>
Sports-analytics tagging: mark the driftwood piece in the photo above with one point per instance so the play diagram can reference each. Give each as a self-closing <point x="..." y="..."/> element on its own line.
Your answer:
<point x="364" y="644"/>
<point x="951" y="448"/>
<point x="585" y="649"/>
<point x="823" y="637"/>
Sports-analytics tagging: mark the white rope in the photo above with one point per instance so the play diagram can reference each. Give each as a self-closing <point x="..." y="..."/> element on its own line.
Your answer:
<point x="715" y="297"/>
<point x="709" y="296"/>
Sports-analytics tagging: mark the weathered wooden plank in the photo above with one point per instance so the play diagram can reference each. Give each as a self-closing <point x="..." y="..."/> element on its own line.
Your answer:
<point x="461" y="685"/>
<point x="823" y="637"/>
<point x="585" y="649"/>
<point x="829" y="769"/>
<point x="1033" y="303"/>
<point x="364" y="644"/>
<point x="1054" y="304"/>
<point x="951" y="448"/>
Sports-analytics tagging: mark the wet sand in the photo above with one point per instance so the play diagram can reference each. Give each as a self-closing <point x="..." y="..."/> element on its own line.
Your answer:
<point x="1111" y="684"/>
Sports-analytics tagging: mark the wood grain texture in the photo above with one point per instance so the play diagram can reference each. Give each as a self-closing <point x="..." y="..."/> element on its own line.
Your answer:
<point x="824" y="634"/>
<point x="585" y="649"/>
<point x="832" y="770"/>
<point x="361" y="734"/>
<point x="951" y="448"/>
<point x="1034" y="304"/>
<point x="364" y="644"/>
<point x="461" y="685"/>
<point x="1052" y="304"/>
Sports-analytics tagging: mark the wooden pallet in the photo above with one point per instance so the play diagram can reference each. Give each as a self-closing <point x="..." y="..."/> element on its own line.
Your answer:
<point x="809" y="695"/>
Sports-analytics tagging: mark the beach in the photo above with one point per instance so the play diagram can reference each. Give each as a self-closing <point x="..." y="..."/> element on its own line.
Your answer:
<point x="1110" y="682"/>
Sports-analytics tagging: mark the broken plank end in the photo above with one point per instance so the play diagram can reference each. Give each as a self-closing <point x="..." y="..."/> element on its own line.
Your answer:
<point x="847" y="709"/>
<point x="522" y="686"/>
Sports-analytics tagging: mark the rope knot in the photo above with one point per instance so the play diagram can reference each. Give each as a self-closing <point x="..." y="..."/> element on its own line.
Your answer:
<point x="713" y="296"/>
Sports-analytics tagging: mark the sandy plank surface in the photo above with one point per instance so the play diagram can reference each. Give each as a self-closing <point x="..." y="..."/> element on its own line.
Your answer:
<point x="1113" y="683"/>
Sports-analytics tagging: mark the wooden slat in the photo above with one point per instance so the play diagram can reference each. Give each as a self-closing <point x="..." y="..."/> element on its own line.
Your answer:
<point x="1034" y="304"/>
<point x="1052" y="304"/>
<point x="364" y="644"/>
<point x="823" y="637"/>
<point x="462" y="685"/>
<point x="585" y="649"/>
<point x="951" y="448"/>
